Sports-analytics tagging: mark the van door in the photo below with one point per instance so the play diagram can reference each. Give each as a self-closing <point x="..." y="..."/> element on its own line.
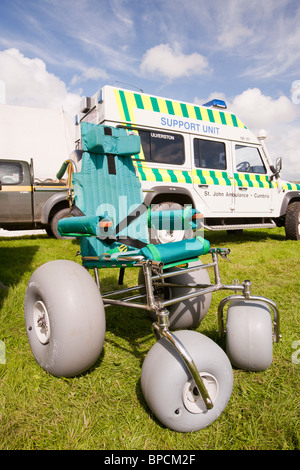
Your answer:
<point x="253" y="194"/>
<point x="212" y="174"/>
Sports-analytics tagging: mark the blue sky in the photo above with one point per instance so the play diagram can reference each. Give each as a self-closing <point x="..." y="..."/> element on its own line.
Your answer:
<point x="54" y="51"/>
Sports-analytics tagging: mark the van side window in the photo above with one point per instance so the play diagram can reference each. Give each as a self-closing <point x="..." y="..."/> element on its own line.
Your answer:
<point x="209" y="154"/>
<point x="162" y="147"/>
<point x="248" y="160"/>
<point x="10" y="173"/>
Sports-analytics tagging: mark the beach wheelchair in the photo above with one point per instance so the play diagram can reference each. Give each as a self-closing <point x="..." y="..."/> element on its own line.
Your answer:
<point x="186" y="378"/>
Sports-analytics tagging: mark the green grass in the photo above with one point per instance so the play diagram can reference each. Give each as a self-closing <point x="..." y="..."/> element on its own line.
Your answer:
<point x="104" y="407"/>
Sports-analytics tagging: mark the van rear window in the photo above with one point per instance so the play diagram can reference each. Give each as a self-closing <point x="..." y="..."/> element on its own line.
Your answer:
<point x="162" y="147"/>
<point x="209" y="154"/>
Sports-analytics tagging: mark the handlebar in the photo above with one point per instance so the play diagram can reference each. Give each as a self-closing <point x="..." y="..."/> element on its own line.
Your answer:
<point x="63" y="168"/>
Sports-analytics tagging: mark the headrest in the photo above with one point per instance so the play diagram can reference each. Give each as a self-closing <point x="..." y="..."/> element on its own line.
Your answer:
<point x="109" y="140"/>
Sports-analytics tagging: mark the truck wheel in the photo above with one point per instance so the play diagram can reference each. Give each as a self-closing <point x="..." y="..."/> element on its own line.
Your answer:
<point x="64" y="318"/>
<point x="292" y="221"/>
<point x="187" y="313"/>
<point x="170" y="391"/>
<point x="168" y="236"/>
<point x="249" y="338"/>
<point x="54" y="221"/>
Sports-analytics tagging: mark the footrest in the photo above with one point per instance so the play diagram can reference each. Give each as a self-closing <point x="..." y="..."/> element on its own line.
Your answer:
<point x="177" y="251"/>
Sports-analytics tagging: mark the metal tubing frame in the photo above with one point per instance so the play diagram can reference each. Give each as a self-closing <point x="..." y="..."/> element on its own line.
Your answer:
<point x="161" y="327"/>
<point x="189" y="362"/>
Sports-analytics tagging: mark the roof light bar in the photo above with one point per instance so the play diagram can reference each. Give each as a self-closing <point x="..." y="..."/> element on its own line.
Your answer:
<point x="216" y="104"/>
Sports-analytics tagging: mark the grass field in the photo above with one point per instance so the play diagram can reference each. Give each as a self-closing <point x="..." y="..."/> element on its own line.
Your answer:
<point x="104" y="408"/>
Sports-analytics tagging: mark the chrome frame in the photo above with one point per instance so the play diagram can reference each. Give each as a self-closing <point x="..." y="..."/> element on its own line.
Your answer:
<point x="156" y="278"/>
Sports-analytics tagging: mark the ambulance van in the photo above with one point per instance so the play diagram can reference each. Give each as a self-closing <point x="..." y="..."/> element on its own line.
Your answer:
<point x="202" y="156"/>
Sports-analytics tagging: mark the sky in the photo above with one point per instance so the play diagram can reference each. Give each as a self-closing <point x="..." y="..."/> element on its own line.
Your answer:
<point x="53" y="52"/>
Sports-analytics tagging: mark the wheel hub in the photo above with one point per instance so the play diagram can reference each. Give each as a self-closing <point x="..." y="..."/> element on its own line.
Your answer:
<point x="41" y="322"/>
<point x="167" y="236"/>
<point x="191" y="397"/>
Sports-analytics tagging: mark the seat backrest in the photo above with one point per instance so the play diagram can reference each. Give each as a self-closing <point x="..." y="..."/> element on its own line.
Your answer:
<point x="107" y="184"/>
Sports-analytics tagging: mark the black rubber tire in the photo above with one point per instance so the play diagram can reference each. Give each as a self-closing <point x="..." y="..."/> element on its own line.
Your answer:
<point x="292" y="221"/>
<point x="53" y="225"/>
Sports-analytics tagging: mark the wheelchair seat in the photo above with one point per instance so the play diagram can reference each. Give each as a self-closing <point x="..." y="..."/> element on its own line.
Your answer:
<point x="109" y="214"/>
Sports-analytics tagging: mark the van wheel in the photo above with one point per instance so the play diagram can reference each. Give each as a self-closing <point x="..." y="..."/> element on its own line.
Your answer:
<point x="54" y="221"/>
<point x="292" y="221"/>
<point x="168" y="236"/>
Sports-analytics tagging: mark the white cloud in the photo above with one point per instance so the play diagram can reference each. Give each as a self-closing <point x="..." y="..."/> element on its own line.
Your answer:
<point x="279" y="117"/>
<point x="28" y="83"/>
<point x="170" y="63"/>
<point x="232" y="36"/>
<point x="261" y="111"/>
<point x="91" y="73"/>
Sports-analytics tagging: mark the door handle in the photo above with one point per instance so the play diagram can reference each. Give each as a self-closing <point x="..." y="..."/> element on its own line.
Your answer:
<point x="243" y="188"/>
<point x="202" y="185"/>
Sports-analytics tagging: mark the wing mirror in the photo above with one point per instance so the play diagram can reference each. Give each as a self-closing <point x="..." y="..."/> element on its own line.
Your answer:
<point x="276" y="170"/>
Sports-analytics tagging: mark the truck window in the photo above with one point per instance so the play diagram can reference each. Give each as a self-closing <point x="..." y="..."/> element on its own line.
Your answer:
<point x="162" y="147"/>
<point x="248" y="160"/>
<point x="10" y="173"/>
<point x="209" y="154"/>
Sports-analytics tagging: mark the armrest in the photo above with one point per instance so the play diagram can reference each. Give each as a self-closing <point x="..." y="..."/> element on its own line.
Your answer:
<point x="182" y="219"/>
<point x="85" y="226"/>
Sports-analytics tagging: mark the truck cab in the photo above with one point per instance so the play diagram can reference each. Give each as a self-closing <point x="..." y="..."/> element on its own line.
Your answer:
<point x="27" y="203"/>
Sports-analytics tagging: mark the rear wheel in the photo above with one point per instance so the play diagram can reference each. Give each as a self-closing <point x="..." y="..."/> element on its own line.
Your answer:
<point x="187" y="313"/>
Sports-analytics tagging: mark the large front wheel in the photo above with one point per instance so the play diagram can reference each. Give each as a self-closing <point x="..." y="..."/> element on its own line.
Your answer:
<point x="170" y="390"/>
<point x="64" y="318"/>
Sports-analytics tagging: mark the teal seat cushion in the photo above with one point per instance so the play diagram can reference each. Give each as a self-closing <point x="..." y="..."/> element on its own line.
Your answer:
<point x="98" y="192"/>
<point x="107" y="190"/>
<point x="95" y="140"/>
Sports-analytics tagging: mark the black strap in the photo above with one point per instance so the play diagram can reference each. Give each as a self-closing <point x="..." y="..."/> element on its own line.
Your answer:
<point x="111" y="164"/>
<point x="134" y="242"/>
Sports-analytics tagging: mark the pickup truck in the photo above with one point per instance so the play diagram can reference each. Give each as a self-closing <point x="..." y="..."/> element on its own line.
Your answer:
<point x="27" y="203"/>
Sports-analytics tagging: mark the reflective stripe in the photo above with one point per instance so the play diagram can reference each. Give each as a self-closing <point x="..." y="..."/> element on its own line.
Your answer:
<point x="209" y="177"/>
<point x="21" y="189"/>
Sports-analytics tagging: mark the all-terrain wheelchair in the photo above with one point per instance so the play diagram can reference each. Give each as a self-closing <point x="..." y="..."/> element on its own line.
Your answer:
<point x="186" y="377"/>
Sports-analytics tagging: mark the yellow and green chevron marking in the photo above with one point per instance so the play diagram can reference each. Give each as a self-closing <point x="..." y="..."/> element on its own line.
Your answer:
<point x="209" y="177"/>
<point x="196" y="176"/>
<point x="128" y="101"/>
